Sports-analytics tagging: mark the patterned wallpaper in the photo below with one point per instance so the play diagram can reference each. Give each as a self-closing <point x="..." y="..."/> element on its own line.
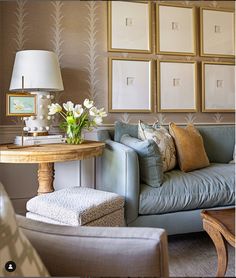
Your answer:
<point x="77" y="32"/>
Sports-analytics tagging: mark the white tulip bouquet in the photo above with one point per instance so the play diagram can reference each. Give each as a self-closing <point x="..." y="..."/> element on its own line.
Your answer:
<point x="78" y="117"/>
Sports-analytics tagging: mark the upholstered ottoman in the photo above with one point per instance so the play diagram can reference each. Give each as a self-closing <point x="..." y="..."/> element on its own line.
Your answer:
<point x="78" y="206"/>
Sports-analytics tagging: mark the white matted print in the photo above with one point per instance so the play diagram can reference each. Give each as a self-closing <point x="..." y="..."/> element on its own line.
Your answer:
<point x="129" y="26"/>
<point x="217" y="32"/>
<point x="130" y="85"/>
<point x="218" y="87"/>
<point x="177" y="89"/>
<point x="175" y="30"/>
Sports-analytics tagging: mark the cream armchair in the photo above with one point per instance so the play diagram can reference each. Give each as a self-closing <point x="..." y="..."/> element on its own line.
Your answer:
<point x="93" y="251"/>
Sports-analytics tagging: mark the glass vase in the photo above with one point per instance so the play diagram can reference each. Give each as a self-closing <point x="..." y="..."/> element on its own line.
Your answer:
<point x="74" y="137"/>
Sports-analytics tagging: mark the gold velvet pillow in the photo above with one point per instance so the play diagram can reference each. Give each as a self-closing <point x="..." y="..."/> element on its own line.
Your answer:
<point x="190" y="148"/>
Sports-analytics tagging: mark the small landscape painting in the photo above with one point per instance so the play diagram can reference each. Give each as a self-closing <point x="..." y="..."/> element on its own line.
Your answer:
<point x="21" y="105"/>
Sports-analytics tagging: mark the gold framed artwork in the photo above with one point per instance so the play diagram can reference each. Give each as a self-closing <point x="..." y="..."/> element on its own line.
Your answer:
<point x="130" y="84"/>
<point x="217" y="31"/>
<point x="130" y="26"/>
<point x="218" y="87"/>
<point x="175" y="29"/>
<point x="20" y="104"/>
<point x="177" y="86"/>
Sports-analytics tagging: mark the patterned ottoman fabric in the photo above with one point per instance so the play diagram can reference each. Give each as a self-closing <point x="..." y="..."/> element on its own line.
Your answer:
<point x="14" y="246"/>
<point x="113" y="219"/>
<point x="77" y="206"/>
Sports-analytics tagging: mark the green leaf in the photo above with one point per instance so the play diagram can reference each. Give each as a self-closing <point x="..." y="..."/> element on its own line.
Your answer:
<point x="70" y="120"/>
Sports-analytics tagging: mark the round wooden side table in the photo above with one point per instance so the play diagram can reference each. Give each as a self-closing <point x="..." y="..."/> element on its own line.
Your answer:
<point x="46" y="155"/>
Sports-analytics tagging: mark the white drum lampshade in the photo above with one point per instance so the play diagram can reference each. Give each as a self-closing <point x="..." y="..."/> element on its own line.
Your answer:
<point x="41" y="73"/>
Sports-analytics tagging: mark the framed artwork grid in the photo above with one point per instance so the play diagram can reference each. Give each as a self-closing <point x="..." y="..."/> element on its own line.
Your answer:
<point x="176" y="25"/>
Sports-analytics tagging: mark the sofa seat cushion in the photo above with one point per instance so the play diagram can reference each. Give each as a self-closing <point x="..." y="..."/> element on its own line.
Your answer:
<point x="208" y="187"/>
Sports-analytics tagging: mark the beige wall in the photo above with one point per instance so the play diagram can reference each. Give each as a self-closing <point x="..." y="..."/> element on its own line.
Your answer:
<point x="77" y="31"/>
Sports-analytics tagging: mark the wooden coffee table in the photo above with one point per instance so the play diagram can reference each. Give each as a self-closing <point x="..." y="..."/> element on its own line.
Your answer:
<point x="220" y="225"/>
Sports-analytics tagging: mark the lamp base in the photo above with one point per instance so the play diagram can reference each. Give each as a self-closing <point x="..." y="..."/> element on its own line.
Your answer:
<point x="39" y="125"/>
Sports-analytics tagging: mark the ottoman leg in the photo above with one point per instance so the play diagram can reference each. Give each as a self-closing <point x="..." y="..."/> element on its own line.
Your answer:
<point x="45" y="178"/>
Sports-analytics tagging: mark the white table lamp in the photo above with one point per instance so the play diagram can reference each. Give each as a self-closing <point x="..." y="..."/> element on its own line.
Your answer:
<point x="40" y="71"/>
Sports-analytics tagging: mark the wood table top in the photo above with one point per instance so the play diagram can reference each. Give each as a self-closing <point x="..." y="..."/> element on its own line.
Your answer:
<point x="223" y="220"/>
<point x="50" y="152"/>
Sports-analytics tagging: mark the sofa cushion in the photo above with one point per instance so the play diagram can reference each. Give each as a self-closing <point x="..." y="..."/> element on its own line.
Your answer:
<point x="189" y="146"/>
<point x="219" y="142"/>
<point x="150" y="160"/>
<point x="164" y="141"/>
<point x="209" y="187"/>
<point x="124" y="128"/>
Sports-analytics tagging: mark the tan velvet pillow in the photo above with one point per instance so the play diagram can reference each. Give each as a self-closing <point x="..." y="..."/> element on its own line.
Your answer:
<point x="190" y="148"/>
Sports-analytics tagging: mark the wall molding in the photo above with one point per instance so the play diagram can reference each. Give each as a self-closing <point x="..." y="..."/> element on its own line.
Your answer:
<point x="8" y="132"/>
<point x="16" y="129"/>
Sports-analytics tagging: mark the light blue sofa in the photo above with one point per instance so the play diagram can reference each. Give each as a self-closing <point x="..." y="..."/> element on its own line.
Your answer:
<point x="176" y="205"/>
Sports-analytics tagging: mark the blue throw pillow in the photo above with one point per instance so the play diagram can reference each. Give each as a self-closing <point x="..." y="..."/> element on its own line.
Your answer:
<point x="123" y="128"/>
<point x="150" y="161"/>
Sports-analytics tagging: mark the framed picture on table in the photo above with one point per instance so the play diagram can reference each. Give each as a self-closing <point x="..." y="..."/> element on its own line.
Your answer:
<point x="130" y="26"/>
<point x="217" y="29"/>
<point x="20" y="104"/>
<point x="218" y="87"/>
<point x="177" y="86"/>
<point x="130" y="85"/>
<point x="176" y="29"/>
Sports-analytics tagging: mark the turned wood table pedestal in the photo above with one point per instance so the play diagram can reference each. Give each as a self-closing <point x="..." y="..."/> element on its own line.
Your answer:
<point x="220" y="225"/>
<point x="46" y="155"/>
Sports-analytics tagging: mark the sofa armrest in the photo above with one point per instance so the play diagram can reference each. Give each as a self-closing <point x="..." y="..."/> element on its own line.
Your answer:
<point x="98" y="251"/>
<point x="120" y="174"/>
